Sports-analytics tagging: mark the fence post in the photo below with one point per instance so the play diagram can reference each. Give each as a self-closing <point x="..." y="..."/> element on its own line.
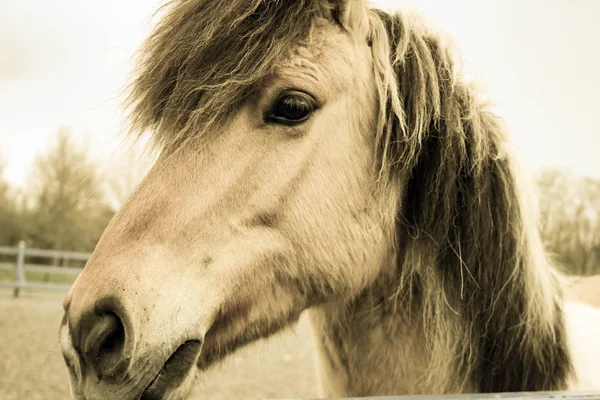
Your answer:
<point x="20" y="268"/>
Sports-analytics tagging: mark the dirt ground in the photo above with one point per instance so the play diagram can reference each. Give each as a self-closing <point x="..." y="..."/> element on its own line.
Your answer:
<point x="31" y="365"/>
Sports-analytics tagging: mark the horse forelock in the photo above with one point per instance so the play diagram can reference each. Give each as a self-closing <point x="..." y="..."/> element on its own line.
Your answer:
<point x="466" y="235"/>
<point x="205" y="56"/>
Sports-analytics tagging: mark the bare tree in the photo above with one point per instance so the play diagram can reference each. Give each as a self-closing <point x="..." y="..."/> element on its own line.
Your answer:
<point x="9" y="228"/>
<point x="69" y="208"/>
<point x="127" y="169"/>
<point x="588" y="234"/>
<point x="570" y="220"/>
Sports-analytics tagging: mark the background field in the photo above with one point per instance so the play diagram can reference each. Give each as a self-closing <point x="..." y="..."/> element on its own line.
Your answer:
<point x="31" y="365"/>
<point x="8" y="273"/>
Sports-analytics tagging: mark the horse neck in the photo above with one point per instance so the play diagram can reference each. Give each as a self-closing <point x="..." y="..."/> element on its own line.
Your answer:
<point x="378" y="344"/>
<point x="371" y="347"/>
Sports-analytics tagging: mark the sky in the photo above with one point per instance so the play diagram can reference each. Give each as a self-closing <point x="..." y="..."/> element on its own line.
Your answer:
<point x="65" y="62"/>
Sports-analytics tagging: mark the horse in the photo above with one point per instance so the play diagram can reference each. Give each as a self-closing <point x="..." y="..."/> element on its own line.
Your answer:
<point x="329" y="157"/>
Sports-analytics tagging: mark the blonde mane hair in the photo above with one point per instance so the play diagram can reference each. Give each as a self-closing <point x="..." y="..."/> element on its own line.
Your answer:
<point x="470" y="253"/>
<point x="471" y="267"/>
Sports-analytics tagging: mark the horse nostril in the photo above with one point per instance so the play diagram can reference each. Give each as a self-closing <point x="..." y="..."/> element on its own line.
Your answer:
<point x="103" y="346"/>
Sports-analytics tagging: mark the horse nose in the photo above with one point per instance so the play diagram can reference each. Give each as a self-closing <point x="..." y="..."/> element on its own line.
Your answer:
<point x="103" y="339"/>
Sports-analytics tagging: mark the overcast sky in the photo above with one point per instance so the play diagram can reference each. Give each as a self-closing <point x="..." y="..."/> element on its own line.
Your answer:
<point x="65" y="61"/>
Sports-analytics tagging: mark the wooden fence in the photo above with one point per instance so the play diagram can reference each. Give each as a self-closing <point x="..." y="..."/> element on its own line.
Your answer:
<point x="21" y="267"/>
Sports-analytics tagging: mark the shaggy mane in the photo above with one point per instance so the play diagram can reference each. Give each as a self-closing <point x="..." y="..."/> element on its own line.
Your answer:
<point x="470" y="255"/>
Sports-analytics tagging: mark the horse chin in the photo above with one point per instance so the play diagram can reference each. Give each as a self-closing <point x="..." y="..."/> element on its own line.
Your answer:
<point x="176" y="376"/>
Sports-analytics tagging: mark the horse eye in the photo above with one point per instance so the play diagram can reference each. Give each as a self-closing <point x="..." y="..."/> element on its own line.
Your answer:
<point x="291" y="108"/>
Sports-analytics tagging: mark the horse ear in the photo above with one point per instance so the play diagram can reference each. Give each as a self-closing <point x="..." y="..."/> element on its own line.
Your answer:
<point x="352" y="15"/>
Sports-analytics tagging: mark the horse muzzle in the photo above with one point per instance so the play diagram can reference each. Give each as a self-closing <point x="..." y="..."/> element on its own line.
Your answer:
<point x="133" y="339"/>
<point x="106" y="359"/>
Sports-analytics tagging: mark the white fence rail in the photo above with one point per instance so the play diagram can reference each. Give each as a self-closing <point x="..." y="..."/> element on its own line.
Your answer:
<point x="20" y="267"/>
<point x="487" y="396"/>
<point x="498" y="396"/>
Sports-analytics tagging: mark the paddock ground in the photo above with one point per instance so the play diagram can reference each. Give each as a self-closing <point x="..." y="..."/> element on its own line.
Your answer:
<point x="31" y="365"/>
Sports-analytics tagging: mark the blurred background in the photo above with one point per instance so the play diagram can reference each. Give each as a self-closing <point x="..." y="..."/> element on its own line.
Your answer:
<point x="65" y="166"/>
